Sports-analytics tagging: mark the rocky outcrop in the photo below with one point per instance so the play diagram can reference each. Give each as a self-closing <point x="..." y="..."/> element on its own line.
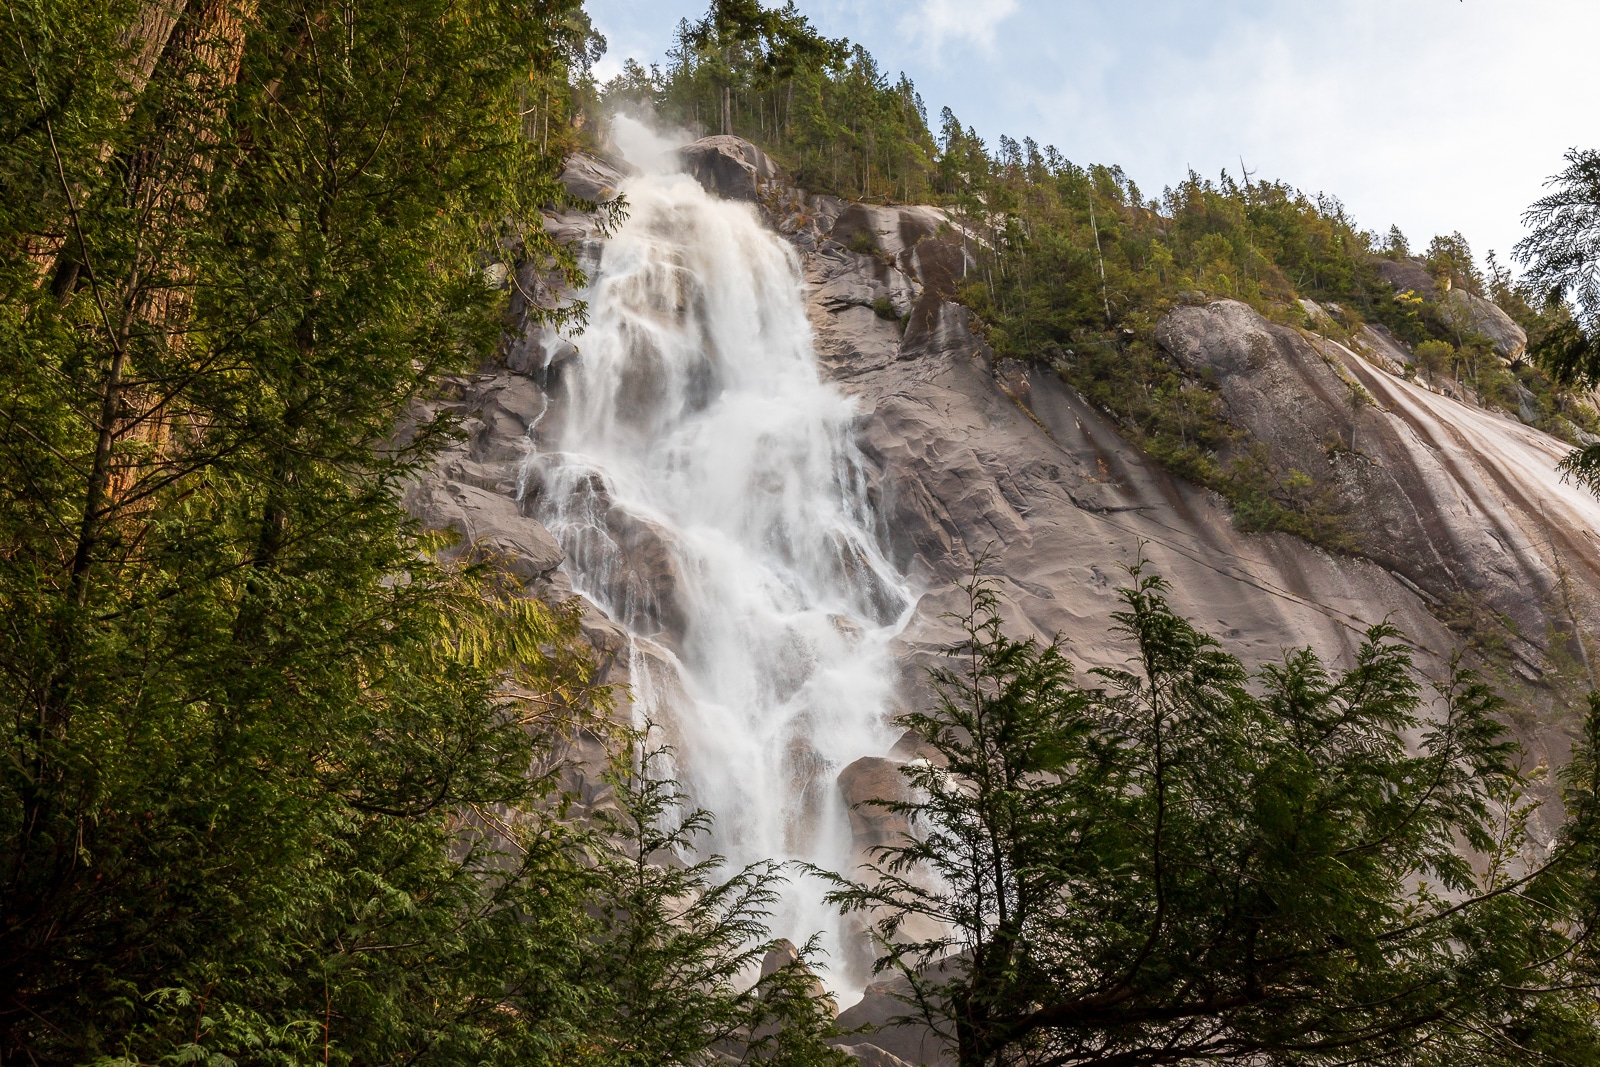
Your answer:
<point x="866" y="783"/>
<point x="1472" y="314"/>
<point x="1457" y="512"/>
<point x="472" y="489"/>
<point x="1407" y="276"/>
<point x="887" y="1019"/>
<point x="591" y="178"/>
<point x="731" y="167"/>
<point x="1465" y="311"/>
<point x="1435" y="491"/>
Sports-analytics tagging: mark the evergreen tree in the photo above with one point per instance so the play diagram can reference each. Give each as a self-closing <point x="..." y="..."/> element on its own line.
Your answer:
<point x="1183" y="863"/>
<point x="1562" y="254"/>
<point x="676" y="946"/>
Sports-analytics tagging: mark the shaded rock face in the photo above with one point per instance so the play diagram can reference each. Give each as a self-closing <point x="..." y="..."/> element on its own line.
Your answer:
<point x="868" y="779"/>
<point x="881" y="1005"/>
<point x="472" y="489"/>
<point x="591" y="178"/>
<point x="1407" y="275"/>
<point x="731" y="167"/>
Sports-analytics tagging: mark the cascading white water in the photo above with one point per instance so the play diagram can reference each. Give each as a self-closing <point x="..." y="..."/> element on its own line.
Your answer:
<point x="704" y="484"/>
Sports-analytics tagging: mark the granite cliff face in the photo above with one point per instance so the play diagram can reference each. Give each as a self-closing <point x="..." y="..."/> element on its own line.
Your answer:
<point x="1460" y="529"/>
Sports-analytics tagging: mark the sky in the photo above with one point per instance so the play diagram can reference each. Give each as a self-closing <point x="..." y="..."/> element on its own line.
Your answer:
<point x="1433" y="115"/>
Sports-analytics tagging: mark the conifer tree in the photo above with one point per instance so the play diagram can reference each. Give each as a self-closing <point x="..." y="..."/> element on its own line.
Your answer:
<point x="1178" y="862"/>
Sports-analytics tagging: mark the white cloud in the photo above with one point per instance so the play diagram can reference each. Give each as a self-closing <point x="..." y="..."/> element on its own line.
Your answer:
<point x="936" y="22"/>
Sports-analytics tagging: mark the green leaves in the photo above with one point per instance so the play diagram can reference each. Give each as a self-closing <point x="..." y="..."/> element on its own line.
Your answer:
<point x="676" y="941"/>
<point x="1196" y="863"/>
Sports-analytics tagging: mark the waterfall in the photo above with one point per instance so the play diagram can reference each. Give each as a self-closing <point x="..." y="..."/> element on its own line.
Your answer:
<point x="703" y="481"/>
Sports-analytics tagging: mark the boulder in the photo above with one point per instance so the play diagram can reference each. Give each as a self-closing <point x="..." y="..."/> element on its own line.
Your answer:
<point x="868" y="779"/>
<point x="784" y="956"/>
<point x="1407" y="275"/>
<point x="588" y="177"/>
<point x="490" y="526"/>
<point x="908" y="1041"/>
<point x="730" y="167"/>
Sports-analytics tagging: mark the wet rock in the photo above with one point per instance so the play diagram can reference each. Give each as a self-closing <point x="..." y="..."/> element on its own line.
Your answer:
<point x="642" y="572"/>
<point x="589" y="177"/>
<point x="942" y="329"/>
<point x="869" y="779"/>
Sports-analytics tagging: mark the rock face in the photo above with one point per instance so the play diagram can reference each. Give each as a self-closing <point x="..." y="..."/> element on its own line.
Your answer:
<point x="1466" y="312"/>
<point x="1407" y="276"/>
<point x="878" y="1010"/>
<point x="731" y="167"/>
<point x="868" y="779"/>
<point x="1455" y="513"/>
<point x="1436" y="492"/>
<point x="472" y="489"/>
<point x="1471" y="313"/>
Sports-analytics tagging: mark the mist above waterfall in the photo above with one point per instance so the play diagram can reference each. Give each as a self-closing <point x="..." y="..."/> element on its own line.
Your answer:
<point x="704" y="483"/>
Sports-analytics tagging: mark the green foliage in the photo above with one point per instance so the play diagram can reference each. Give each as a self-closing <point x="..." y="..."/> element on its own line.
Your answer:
<point x="277" y="786"/>
<point x="1564" y="273"/>
<point x="674" y="943"/>
<point x="1449" y="258"/>
<point x="1183" y="862"/>
<point x="1435" y="359"/>
<point x="821" y="107"/>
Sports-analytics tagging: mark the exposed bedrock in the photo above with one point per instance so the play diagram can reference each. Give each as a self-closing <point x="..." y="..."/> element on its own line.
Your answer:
<point x="1457" y="501"/>
<point x="1005" y="468"/>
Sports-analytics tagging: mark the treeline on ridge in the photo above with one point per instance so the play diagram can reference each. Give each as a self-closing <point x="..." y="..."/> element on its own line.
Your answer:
<point x="1075" y="264"/>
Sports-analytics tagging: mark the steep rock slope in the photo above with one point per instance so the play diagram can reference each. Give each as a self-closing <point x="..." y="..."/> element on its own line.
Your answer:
<point x="1456" y="513"/>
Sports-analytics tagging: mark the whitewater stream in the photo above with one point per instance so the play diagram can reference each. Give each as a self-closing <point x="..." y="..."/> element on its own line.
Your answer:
<point x="703" y="481"/>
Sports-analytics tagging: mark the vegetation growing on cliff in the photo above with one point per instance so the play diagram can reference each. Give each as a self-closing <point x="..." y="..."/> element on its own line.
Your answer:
<point x="1075" y="264"/>
<point x="821" y="107"/>
<point x="279" y="787"/>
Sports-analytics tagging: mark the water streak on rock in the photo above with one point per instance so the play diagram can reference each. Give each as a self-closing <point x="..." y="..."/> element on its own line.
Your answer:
<point x="703" y="481"/>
